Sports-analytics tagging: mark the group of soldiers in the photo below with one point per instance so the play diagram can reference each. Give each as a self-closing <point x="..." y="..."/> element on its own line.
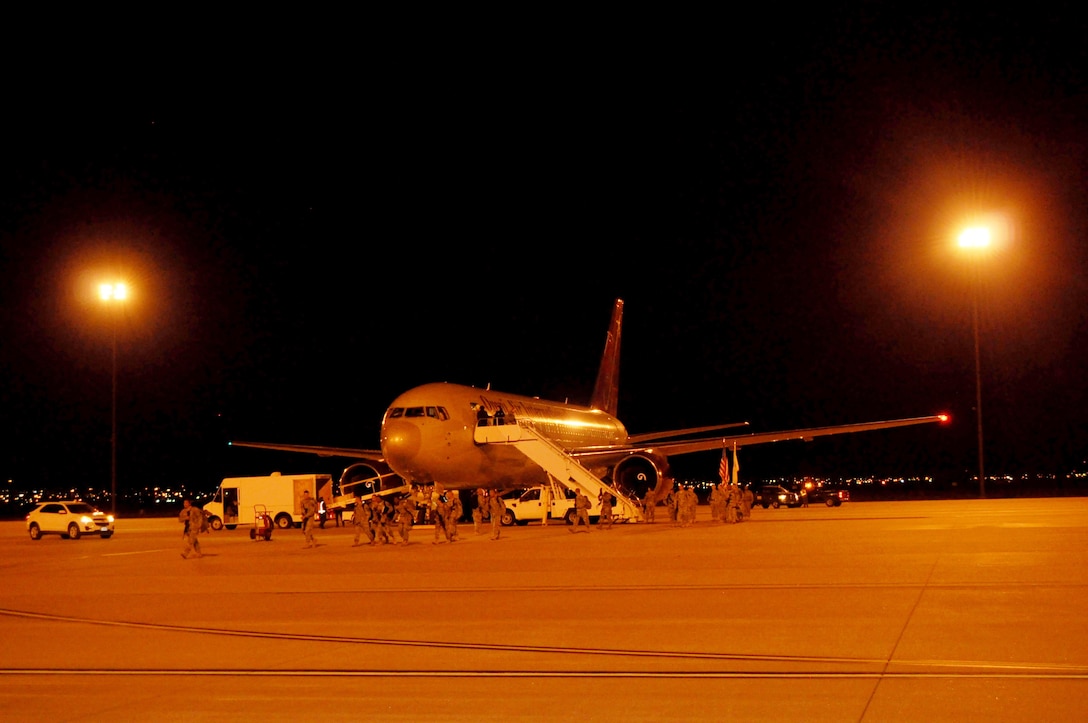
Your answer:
<point x="378" y="520"/>
<point x="730" y="503"/>
<point x="382" y="521"/>
<point x="679" y="502"/>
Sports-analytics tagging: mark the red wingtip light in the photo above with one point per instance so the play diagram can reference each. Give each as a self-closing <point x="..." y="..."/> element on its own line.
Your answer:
<point x="943" y="417"/>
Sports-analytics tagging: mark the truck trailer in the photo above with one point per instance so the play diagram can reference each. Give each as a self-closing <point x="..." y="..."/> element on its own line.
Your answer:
<point x="281" y="494"/>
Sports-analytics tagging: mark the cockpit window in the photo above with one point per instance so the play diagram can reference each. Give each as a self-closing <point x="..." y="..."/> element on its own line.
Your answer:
<point x="439" y="413"/>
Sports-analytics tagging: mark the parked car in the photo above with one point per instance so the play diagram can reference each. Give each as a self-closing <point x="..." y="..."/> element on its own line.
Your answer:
<point x="776" y="496"/>
<point x="830" y="496"/>
<point x="68" y="518"/>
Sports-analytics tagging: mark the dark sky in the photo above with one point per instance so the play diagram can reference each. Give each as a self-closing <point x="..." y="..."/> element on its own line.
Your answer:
<point x="309" y="236"/>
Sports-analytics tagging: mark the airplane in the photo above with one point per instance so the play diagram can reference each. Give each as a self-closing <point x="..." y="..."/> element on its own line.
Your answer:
<point x="464" y="437"/>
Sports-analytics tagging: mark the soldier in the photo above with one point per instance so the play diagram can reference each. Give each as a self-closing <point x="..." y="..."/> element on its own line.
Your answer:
<point x="648" y="505"/>
<point x="406" y="515"/>
<point x="670" y="505"/>
<point x="738" y="503"/>
<point x="480" y="509"/>
<point x="454" y="515"/>
<point x="440" y="516"/>
<point x="309" y="509"/>
<point x="686" y="506"/>
<point x="731" y="504"/>
<point x="360" y="519"/>
<point x="581" y="512"/>
<point x="546" y="503"/>
<point x="379" y="520"/>
<point x="716" y="502"/>
<point x="496" y="508"/>
<point x="746" y="499"/>
<point x="193" y="519"/>
<point x="477" y="515"/>
<point x="604" y="497"/>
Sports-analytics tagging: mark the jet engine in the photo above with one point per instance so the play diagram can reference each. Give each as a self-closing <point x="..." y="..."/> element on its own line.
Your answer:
<point x="636" y="474"/>
<point x="367" y="478"/>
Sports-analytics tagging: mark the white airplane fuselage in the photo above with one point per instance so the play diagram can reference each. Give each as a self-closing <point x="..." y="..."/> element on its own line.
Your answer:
<point x="428" y="435"/>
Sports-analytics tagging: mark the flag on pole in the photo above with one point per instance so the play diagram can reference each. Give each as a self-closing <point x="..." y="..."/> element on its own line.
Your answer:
<point x="736" y="463"/>
<point x="723" y="466"/>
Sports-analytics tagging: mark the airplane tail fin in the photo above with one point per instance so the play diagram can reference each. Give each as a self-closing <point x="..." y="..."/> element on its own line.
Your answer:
<point x="607" y="389"/>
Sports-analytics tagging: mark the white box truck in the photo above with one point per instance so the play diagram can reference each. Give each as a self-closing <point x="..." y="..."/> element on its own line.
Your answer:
<point x="280" y="494"/>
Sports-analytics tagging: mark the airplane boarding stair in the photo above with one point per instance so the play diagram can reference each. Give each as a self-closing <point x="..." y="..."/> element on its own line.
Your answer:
<point x="558" y="464"/>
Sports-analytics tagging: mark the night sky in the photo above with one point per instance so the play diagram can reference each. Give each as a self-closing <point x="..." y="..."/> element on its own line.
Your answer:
<point x="777" y="208"/>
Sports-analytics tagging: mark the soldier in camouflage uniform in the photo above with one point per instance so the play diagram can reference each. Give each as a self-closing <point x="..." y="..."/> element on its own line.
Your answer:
<point x="360" y="519"/>
<point x="193" y="519"/>
<point x="308" y="510"/>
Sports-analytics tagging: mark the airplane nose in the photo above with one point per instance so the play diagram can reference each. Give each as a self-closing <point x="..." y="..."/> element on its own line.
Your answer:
<point x="400" y="445"/>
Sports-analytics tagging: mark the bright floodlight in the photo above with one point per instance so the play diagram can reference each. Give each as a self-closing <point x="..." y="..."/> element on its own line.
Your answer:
<point x="113" y="292"/>
<point x="975" y="237"/>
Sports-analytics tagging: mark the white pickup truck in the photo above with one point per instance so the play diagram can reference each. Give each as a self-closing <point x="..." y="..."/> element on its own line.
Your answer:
<point x="529" y="506"/>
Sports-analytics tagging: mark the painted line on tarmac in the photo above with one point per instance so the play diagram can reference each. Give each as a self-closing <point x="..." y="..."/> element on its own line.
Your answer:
<point x="138" y="552"/>
<point x="697" y="674"/>
<point x="907" y="668"/>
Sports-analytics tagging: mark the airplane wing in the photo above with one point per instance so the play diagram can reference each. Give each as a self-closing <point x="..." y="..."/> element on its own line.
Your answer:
<point x="650" y="436"/>
<point x="747" y="440"/>
<point x="373" y="455"/>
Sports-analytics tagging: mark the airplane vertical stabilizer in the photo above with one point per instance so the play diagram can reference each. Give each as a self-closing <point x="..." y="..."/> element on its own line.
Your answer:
<point x="606" y="392"/>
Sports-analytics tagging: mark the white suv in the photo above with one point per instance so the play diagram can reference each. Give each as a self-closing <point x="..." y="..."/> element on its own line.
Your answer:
<point x="68" y="518"/>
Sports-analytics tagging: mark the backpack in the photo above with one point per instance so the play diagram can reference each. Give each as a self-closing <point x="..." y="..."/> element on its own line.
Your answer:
<point x="204" y="525"/>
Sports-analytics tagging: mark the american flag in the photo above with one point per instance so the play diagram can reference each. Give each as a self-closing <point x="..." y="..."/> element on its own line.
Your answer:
<point x="723" y="466"/>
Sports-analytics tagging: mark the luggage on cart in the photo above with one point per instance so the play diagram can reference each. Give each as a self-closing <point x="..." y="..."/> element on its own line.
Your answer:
<point x="262" y="524"/>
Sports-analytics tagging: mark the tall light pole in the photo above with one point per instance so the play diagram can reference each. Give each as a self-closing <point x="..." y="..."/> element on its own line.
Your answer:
<point x="977" y="239"/>
<point x="112" y="295"/>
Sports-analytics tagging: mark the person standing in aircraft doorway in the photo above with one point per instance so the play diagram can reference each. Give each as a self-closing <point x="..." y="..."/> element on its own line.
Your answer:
<point x="500" y="417"/>
<point x="482" y="417"/>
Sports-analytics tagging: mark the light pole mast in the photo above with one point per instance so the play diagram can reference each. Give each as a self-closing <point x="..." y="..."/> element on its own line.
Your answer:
<point x="113" y="416"/>
<point x="977" y="239"/>
<point x="978" y="388"/>
<point x="112" y="295"/>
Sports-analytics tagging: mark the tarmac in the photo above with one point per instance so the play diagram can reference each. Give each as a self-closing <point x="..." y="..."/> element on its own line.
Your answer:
<point x="873" y="611"/>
